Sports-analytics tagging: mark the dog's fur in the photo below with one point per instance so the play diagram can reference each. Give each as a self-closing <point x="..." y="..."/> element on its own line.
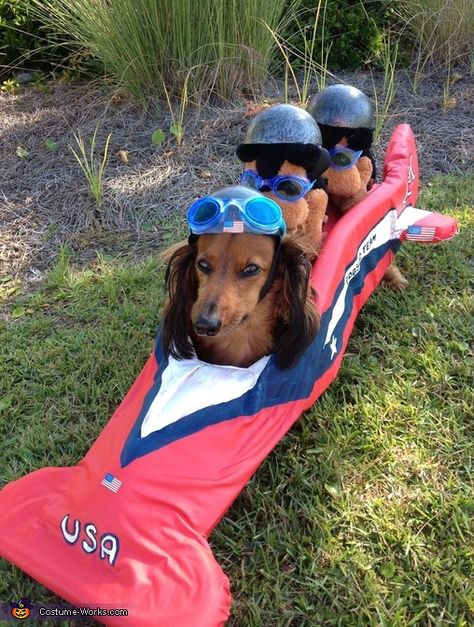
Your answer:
<point x="214" y="308"/>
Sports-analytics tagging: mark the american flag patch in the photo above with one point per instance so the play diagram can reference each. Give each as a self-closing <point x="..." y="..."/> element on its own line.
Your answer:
<point x="233" y="226"/>
<point x="421" y="233"/>
<point x="111" y="482"/>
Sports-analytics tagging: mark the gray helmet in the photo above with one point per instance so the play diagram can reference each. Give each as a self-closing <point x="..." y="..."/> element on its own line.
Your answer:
<point x="283" y="124"/>
<point x="342" y="106"/>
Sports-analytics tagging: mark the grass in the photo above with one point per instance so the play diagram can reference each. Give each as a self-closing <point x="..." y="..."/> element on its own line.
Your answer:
<point x="92" y="165"/>
<point x="442" y="31"/>
<point x="363" y="513"/>
<point x="388" y="60"/>
<point x="307" y="68"/>
<point x="206" y="48"/>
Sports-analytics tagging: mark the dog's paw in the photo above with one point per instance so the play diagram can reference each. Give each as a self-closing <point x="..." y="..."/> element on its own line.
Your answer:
<point x="394" y="279"/>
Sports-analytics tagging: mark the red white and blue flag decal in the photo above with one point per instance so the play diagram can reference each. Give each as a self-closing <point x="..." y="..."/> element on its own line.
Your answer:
<point x="233" y="226"/>
<point x="420" y="233"/>
<point x="111" y="482"/>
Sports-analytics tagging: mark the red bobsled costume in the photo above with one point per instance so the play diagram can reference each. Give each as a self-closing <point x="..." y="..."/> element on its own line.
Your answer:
<point x="128" y="526"/>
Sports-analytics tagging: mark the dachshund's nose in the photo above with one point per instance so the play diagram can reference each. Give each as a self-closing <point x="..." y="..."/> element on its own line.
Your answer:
<point x="207" y="325"/>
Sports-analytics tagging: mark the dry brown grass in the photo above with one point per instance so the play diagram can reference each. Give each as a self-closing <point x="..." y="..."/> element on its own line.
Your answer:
<point x="44" y="200"/>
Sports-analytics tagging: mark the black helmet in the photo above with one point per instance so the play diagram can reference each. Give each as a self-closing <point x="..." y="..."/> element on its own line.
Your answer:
<point x="283" y="124"/>
<point x="342" y="106"/>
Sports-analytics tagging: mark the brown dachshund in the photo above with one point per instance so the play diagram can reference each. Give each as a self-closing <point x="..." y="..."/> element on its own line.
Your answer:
<point x="233" y="298"/>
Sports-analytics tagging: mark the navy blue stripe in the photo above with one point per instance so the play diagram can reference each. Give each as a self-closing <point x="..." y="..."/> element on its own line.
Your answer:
<point x="274" y="386"/>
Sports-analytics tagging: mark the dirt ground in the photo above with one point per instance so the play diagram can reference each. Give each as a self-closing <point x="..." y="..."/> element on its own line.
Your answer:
<point x="44" y="199"/>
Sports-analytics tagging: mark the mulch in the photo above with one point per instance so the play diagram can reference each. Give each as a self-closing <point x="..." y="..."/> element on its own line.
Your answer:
<point x="44" y="199"/>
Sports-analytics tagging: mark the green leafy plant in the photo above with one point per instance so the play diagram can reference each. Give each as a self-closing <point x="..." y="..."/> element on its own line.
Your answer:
<point x="92" y="165"/>
<point x="25" y="43"/>
<point x="177" y="123"/>
<point x="158" y="136"/>
<point x="350" y="36"/>
<point x="50" y="144"/>
<point x="17" y="31"/>
<point x="10" y="86"/>
<point x="177" y="129"/>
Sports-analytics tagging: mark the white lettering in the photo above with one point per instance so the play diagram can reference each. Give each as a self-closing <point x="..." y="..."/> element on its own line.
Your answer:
<point x="71" y="538"/>
<point x="109" y="543"/>
<point x="109" y="546"/>
<point x="91" y="532"/>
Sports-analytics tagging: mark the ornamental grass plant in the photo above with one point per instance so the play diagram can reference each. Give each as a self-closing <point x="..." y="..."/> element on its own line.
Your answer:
<point x="208" y="48"/>
<point x="442" y="30"/>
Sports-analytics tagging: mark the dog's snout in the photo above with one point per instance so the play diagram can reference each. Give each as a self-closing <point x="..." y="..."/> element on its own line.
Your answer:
<point x="264" y="188"/>
<point x="207" y="325"/>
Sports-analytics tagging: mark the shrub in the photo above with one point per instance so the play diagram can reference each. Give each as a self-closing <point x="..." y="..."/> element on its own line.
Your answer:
<point x="17" y="31"/>
<point x="24" y="41"/>
<point x="349" y="29"/>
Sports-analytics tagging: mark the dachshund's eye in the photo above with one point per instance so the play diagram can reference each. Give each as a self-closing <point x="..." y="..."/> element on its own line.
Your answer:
<point x="203" y="266"/>
<point x="250" y="270"/>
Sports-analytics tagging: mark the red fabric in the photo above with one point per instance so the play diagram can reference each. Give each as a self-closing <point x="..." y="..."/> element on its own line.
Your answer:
<point x="433" y="228"/>
<point x="170" y="500"/>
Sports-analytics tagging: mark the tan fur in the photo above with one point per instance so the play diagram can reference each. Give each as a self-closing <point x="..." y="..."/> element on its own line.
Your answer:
<point x="306" y="214"/>
<point x="207" y="287"/>
<point x="247" y="326"/>
<point x="348" y="187"/>
<point x="394" y="279"/>
<point x="317" y="200"/>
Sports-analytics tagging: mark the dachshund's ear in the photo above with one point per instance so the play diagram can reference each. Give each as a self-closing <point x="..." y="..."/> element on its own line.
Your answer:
<point x="181" y="283"/>
<point x="295" y="304"/>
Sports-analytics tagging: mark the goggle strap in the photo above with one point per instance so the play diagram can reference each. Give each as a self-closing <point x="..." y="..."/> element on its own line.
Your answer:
<point x="273" y="271"/>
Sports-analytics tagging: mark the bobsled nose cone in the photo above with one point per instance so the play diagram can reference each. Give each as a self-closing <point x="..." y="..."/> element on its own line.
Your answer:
<point x="207" y="325"/>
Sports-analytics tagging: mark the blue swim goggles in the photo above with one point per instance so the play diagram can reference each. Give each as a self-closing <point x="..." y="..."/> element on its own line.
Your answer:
<point x="236" y="210"/>
<point x="287" y="187"/>
<point x="343" y="157"/>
